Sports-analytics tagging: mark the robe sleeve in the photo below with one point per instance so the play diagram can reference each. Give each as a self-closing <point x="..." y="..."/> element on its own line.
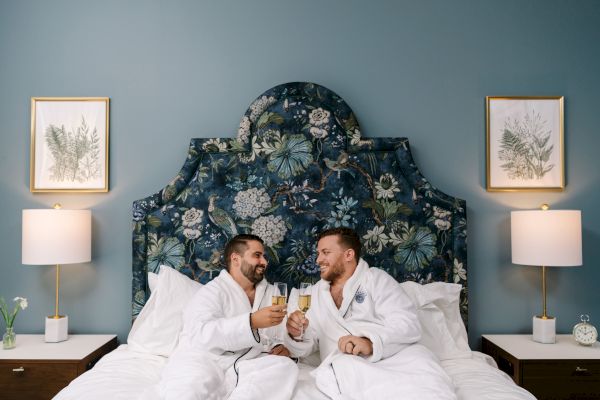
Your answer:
<point x="207" y="327"/>
<point x="398" y="325"/>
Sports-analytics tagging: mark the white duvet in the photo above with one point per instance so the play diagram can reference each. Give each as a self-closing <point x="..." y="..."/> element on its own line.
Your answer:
<point x="478" y="378"/>
<point x="121" y="374"/>
<point x="126" y="374"/>
<point x="133" y="371"/>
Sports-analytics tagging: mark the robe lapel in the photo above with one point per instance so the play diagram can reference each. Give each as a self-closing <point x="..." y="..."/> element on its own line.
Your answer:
<point x="232" y="286"/>
<point x="259" y="295"/>
<point x="332" y="314"/>
<point x="350" y="288"/>
<point x="352" y="285"/>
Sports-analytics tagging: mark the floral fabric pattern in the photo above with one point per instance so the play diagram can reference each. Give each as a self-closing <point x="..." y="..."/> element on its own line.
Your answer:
<point x="298" y="165"/>
<point x="251" y="203"/>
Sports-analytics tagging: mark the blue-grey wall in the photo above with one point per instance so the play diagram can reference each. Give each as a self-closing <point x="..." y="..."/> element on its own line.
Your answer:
<point x="181" y="69"/>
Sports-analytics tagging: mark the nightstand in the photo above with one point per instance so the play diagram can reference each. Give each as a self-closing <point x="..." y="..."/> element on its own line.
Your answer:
<point x="38" y="370"/>
<point x="563" y="370"/>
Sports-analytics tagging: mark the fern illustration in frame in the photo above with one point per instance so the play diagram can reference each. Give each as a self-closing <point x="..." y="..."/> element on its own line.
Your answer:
<point x="525" y="143"/>
<point x="69" y="144"/>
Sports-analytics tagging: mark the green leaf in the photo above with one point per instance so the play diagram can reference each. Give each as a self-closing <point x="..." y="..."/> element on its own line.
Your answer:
<point x="273" y="254"/>
<point x="154" y="221"/>
<point x="270" y="210"/>
<point x="137" y="226"/>
<point x="375" y="206"/>
<point x="404" y="209"/>
<point x="350" y="123"/>
<point x="263" y="120"/>
<point x="269" y="117"/>
<point x="232" y="163"/>
<point x="545" y="156"/>
<point x="236" y="145"/>
<point x="372" y="162"/>
<point x="169" y="193"/>
<point x="276" y="118"/>
<point x="513" y="151"/>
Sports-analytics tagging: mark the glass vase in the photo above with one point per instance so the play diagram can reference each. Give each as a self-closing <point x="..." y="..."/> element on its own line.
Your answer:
<point x="9" y="339"/>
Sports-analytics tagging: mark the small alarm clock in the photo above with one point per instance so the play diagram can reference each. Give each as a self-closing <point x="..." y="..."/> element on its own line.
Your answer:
<point x="585" y="333"/>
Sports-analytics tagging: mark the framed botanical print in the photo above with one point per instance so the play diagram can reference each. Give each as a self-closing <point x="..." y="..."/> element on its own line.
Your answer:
<point x="69" y="144"/>
<point x="525" y="143"/>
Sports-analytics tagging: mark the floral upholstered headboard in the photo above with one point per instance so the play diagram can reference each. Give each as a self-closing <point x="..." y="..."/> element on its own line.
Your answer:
<point x="297" y="166"/>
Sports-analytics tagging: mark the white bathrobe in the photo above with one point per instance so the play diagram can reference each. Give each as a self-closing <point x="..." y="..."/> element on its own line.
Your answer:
<point x="374" y="306"/>
<point x="219" y="356"/>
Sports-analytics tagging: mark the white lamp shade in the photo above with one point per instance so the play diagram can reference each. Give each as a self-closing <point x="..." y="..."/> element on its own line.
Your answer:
<point x="549" y="238"/>
<point x="56" y="236"/>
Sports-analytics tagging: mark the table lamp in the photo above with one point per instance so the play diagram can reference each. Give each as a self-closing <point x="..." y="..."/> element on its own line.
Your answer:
<point x="546" y="238"/>
<point x="53" y="237"/>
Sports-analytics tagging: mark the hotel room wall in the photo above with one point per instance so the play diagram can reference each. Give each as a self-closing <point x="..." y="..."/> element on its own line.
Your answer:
<point x="183" y="69"/>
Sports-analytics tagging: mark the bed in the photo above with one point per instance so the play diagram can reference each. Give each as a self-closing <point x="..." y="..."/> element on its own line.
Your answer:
<point x="299" y="164"/>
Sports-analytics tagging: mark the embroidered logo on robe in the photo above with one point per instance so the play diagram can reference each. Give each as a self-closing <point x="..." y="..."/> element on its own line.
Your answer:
<point x="360" y="295"/>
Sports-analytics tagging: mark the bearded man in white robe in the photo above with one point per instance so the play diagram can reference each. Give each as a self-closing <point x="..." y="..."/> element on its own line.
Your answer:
<point x="227" y="348"/>
<point x="365" y="329"/>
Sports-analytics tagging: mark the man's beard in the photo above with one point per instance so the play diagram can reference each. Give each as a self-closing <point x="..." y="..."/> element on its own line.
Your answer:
<point x="334" y="271"/>
<point x="251" y="271"/>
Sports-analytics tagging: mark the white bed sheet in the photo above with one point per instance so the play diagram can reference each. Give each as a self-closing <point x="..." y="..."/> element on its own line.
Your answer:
<point x="478" y="378"/>
<point x="122" y="374"/>
<point x="126" y="374"/>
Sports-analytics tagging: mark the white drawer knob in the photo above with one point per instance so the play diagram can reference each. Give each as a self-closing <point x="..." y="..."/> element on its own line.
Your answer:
<point x="20" y="369"/>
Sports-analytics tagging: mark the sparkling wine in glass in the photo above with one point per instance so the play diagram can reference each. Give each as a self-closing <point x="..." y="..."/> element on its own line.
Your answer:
<point x="279" y="298"/>
<point x="304" y="303"/>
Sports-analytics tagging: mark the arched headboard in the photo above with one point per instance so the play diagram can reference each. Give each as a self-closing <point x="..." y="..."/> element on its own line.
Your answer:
<point x="298" y="165"/>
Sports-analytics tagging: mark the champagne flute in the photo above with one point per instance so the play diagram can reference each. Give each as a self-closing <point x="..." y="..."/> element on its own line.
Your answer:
<point x="279" y="298"/>
<point x="304" y="304"/>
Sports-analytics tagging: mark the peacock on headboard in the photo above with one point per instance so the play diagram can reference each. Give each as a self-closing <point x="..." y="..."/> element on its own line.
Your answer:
<point x="297" y="166"/>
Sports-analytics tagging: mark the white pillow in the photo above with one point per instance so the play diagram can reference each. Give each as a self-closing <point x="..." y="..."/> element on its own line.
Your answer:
<point x="157" y="327"/>
<point x="152" y="281"/>
<point x="438" y="310"/>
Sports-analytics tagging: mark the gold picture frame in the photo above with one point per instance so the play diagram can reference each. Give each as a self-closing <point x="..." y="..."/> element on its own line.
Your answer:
<point x="69" y="144"/>
<point x="525" y="143"/>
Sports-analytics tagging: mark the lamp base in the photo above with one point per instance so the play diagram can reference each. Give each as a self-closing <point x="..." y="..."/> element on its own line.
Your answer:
<point x="57" y="329"/>
<point x="544" y="329"/>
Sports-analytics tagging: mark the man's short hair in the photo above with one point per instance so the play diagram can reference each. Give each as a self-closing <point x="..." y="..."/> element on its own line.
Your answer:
<point x="239" y="244"/>
<point x="348" y="238"/>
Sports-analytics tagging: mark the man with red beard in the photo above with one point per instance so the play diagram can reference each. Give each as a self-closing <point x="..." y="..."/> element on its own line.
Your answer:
<point x="365" y="329"/>
<point x="226" y="349"/>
